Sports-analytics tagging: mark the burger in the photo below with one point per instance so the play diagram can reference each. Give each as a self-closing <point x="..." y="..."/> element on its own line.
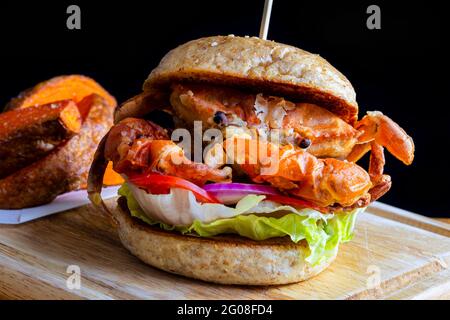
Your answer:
<point x="275" y="187"/>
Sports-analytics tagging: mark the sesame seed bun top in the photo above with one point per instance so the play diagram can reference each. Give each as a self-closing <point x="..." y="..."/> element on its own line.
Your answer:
<point x="259" y="65"/>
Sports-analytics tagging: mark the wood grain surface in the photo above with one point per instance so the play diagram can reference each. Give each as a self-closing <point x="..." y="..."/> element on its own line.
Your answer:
<point x="386" y="259"/>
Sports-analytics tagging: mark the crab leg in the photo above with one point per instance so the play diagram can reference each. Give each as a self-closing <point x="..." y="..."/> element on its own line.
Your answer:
<point x="377" y="161"/>
<point x="358" y="151"/>
<point x="383" y="186"/>
<point x="381" y="182"/>
<point x="380" y="131"/>
<point x="379" y="128"/>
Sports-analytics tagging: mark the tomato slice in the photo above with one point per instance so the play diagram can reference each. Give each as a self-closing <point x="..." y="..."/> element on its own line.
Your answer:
<point x="160" y="184"/>
<point x="295" y="202"/>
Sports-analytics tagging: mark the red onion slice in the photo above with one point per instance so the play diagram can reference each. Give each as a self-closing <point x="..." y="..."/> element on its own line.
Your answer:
<point x="231" y="193"/>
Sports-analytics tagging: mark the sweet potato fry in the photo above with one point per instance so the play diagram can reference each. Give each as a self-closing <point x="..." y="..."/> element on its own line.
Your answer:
<point x="74" y="87"/>
<point x="66" y="168"/>
<point x="111" y="177"/>
<point x="27" y="135"/>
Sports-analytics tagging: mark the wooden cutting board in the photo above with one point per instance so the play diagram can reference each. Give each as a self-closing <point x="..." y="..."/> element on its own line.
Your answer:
<point x="394" y="254"/>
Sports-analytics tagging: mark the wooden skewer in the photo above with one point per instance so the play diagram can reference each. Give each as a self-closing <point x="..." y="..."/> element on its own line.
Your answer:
<point x="265" y="19"/>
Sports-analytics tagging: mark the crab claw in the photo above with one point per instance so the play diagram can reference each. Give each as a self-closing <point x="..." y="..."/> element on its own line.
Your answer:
<point x="377" y="127"/>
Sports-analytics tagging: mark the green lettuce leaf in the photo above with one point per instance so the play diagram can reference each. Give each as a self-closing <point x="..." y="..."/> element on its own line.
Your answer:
<point x="323" y="235"/>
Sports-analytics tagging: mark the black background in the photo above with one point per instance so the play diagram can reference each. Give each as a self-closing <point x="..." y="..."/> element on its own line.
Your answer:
<point x="401" y="70"/>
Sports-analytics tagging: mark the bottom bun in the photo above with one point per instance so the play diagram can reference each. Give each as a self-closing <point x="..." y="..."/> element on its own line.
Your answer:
<point x="224" y="259"/>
